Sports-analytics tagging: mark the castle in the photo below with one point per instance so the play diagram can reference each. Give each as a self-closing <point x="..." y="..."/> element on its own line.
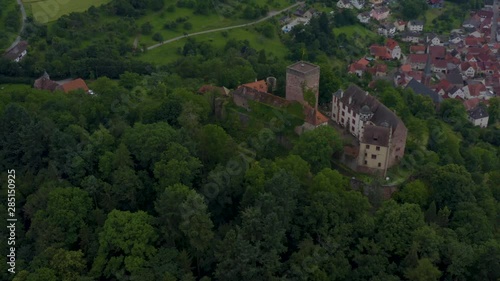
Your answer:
<point x="380" y="132"/>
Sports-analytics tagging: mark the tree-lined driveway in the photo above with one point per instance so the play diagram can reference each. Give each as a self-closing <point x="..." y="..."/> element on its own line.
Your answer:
<point x="269" y="15"/>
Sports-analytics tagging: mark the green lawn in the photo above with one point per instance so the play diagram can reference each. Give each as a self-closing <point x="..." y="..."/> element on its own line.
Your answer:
<point x="168" y="53"/>
<point x="432" y="14"/>
<point x="198" y="22"/>
<point x="50" y="10"/>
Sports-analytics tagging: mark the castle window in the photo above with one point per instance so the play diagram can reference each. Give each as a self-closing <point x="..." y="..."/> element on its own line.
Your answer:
<point x="352" y="128"/>
<point x="398" y="149"/>
<point x="334" y="115"/>
<point x="367" y="146"/>
<point x="353" y="121"/>
<point x="366" y="154"/>
<point x="378" y="148"/>
<point x="342" y="120"/>
<point x="379" y="164"/>
<point x="366" y="162"/>
<point x="374" y="156"/>
<point x="343" y="113"/>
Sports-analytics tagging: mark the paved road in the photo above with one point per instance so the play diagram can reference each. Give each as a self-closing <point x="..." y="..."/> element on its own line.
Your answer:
<point x="23" y="13"/>
<point x="270" y="15"/>
<point x="494" y="25"/>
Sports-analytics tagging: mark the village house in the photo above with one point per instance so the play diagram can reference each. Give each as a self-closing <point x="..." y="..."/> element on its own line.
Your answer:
<point x="364" y="17"/>
<point x="380" y="132"/>
<point x="376" y="2"/>
<point x="44" y="83"/>
<point x="358" y="67"/>
<point x="472" y="23"/>
<point x="455" y="38"/>
<point x="477" y="90"/>
<point x="400" y="25"/>
<point x="387" y="29"/>
<point x="74" y="85"/>
<point x="417" y="61"/>
<point x="344" y="4"/>
<point x="468" y="69"/>
<point x="479" y="116"/>
<point x="358" y="4"/>
<point x="415" y="25"/>
<point x="380" y="13"/>
<point x="17" y="52"/>
<point x="411" y="37"/>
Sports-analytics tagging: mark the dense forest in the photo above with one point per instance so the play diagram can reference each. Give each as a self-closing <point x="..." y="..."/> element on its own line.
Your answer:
<point x="147" y="184"/>
<point x="148" y="180"/>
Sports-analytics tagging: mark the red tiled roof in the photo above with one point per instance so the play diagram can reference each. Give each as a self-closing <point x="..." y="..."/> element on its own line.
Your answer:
<point x="405" y="68"/>
<point x="476" y="89"/>
<point x="391" y="44"/>
<point x="260" y="86"/>
<point x="417" y="49"/>
<point x="380" y="51"/>
<point x="472" y="103"/>
<point x="73" y="85"/>
<point x="363" y="61"/>
<point x="418" y="58"/>
<point x="314" y="117"/>
<point x="437" y="51"/>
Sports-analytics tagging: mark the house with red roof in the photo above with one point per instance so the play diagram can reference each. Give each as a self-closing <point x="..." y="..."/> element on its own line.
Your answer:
<point x="417" y="61"/>
<point x="380" y="52"/>
<point x="393" y="47"/>
<point x="358" y="67"/>
<point x="475" y="91"/>
<point x="417" y="49"/>
<point x="468" y="68"/>
<point x="77" y="84"/>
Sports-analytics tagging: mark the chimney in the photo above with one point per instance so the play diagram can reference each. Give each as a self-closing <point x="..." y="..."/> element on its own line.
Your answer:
<point x="341" y="94"/>
<point x="350" y="99"/>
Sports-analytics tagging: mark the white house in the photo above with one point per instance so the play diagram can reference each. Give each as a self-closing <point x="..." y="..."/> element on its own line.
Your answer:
<point x="411" y="37"/>
<point x="387" y="30"/>
<point x="344" y="4"/>
<point x="358" y="4"/>
<point x="18" y="52"/>
<point x="286" y="28"/>
<point x="455" y="38"/>
<point x="479" y="116"/>
<point x="364" y="17"/>
<point x="415" y="25"/>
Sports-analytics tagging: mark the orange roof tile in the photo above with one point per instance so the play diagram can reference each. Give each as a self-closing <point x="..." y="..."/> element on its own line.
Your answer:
<point x="260" y="86"/>
<point x="74" y="85"/>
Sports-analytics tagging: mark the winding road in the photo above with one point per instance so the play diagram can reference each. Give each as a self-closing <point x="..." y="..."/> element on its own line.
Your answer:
<point x="23" y="13"/>
<point x="269" y="15"/>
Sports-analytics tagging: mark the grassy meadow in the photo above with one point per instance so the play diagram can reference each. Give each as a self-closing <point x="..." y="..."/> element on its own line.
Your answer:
<point x="45" y="11"/>
<point x="169" y="52"/>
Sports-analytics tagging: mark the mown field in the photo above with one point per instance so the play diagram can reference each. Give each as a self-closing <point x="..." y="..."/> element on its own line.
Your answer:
<point x="50" y="10"/>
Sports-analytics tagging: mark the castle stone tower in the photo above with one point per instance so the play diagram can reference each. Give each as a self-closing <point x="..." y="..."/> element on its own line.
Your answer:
<point x="302" y="76"/>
